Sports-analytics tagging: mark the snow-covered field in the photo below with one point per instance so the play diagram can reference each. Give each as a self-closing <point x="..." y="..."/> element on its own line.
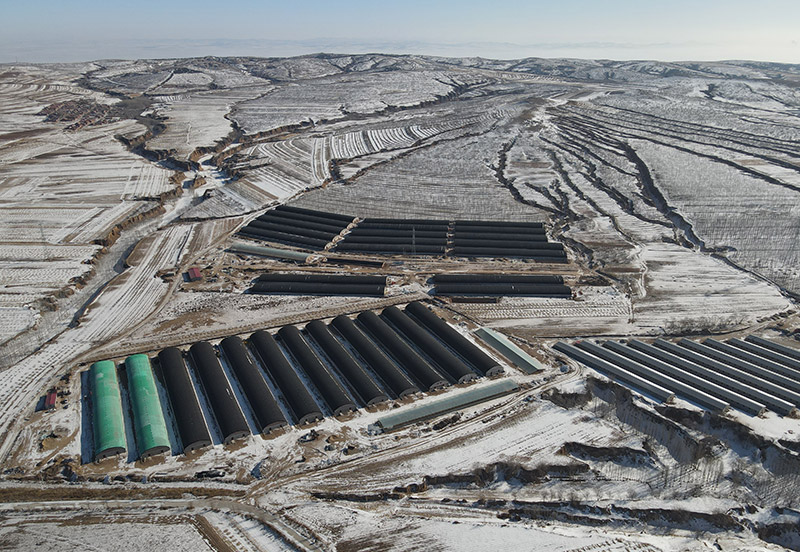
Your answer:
<point x="675" y="188"/>
<point x="331" y="97"/>
<point x="759" y="220"/>
<point x="448" y="179"/>
<point x="122" y="536"/>
<point x="62" y="192"/>
<point x="599" y="309"/>
<point x="197" y="120"/>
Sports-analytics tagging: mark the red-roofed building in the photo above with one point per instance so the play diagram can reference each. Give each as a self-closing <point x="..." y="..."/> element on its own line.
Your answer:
<point x="194" y="274"/>
<point x="50" y="400"/>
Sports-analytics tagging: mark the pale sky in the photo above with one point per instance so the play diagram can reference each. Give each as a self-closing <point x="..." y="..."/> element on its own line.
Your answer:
<point x="79" y="30"/>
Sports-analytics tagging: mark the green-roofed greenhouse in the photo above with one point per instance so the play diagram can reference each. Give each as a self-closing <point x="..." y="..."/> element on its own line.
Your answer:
<point x="148" y="418"/>
<point x="107" y="422"/>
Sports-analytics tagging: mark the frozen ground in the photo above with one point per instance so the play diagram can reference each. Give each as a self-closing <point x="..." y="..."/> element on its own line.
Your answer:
<point x="674" y="186"/>
<point x="198" y="119"/>
<point x="63" y="191"/>
<point x="122" y="537"/>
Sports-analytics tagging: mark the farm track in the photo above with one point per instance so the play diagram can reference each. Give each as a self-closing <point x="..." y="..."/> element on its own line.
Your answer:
<point x="197" y="506"/>
<point x="135" y="292"/>
<point x="52" y="323"/>
<point x="164" y="341"/>
<point x="336" y="476"/>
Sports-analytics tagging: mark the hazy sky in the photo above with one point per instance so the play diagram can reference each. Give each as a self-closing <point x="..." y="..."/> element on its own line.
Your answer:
<point x="65" y="30"/>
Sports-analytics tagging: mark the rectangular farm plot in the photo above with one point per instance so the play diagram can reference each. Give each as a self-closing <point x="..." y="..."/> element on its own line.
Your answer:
<point x="68" y="174"/>
<point x="44" y="224"/>
<point x="14" y="319"/>
<point x="65" y="222"/>
<point x="40" y="275"/>
<point x="44" y="252"/>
